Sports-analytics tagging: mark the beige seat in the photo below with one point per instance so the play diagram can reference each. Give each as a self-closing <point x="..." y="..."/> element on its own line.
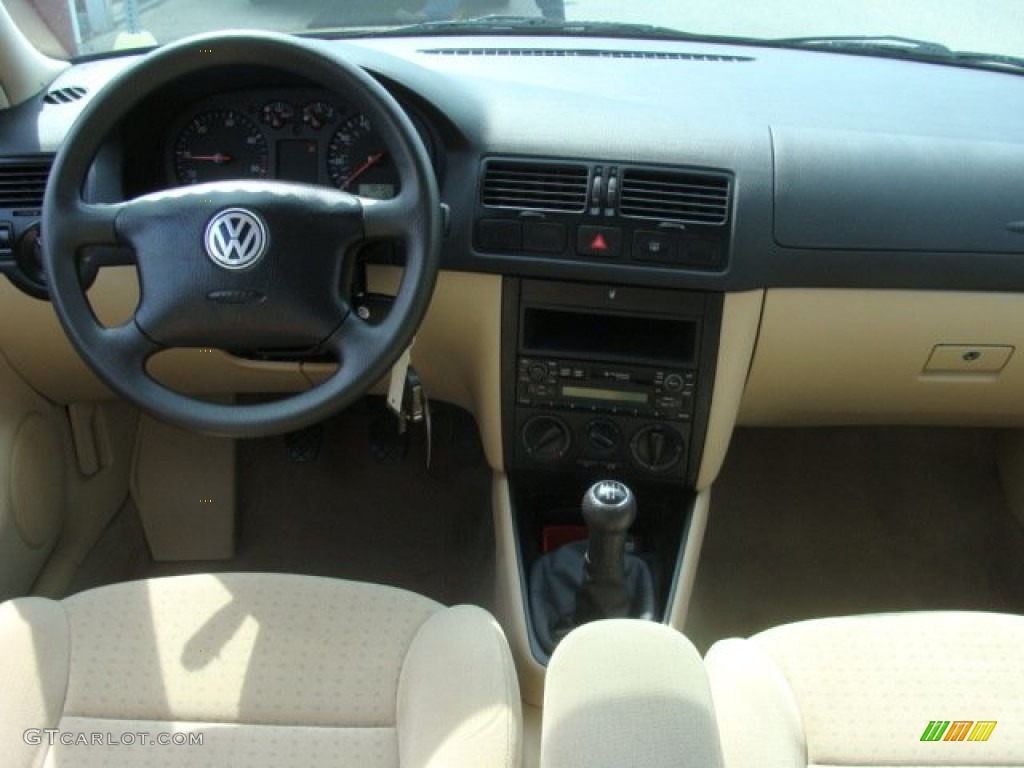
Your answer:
<point x="270" y="670"/>
<point x="873" y="691"/>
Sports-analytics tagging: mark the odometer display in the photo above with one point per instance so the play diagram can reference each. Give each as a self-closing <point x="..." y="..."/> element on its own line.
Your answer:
<point x="219" y="145"/>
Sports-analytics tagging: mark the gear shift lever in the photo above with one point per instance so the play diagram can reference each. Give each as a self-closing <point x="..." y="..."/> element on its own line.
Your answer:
<point x="609" y="509"/>
<point x="596" y="579"/>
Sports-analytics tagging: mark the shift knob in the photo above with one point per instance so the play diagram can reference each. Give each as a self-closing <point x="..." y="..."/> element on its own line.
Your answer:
<point x="609" y="508"/>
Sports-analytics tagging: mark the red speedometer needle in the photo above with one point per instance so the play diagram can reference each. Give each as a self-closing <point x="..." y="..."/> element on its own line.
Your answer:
<point x="220" y="158"/>
<point x="371" y="161"/>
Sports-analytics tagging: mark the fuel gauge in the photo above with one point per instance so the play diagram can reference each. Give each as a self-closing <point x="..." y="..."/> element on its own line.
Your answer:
<point x="317" y="114"/>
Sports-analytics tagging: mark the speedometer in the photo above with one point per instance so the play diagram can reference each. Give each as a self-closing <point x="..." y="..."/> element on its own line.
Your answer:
<point x="358" y="160"/>
<point x="218" y="145"/>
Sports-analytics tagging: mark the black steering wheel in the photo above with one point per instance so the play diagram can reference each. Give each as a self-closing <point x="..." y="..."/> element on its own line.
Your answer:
<point x="242" y="264"/>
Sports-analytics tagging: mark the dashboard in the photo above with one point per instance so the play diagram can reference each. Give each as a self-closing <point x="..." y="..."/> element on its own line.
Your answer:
<point x="840" y="237"/>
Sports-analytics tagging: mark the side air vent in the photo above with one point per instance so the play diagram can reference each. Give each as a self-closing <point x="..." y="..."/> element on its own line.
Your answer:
<point x="694" y="198"/>
<point x="564" y="53"/>
<point x="64" y="95"/>
<point x="535" y="186"/>
<point x="23" y="182"/>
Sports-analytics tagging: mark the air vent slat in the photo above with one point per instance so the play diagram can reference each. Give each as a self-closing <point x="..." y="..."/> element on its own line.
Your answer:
<point x="64" y="95"/>
<point x="679" y="196"/>
<point x="535" y="186"/>
<point x="23" y="183"/>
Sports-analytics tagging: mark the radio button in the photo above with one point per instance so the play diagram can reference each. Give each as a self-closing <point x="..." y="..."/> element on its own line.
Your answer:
<point x="579" y="373"/>
<point x="673" y="383"/>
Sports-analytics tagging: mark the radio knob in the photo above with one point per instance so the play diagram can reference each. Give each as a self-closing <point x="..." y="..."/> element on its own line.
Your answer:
<point x="546" y="438"/>
<point x="538" y="373"/>
<point x="673" y="383"/>
<point x="656" y="447"/>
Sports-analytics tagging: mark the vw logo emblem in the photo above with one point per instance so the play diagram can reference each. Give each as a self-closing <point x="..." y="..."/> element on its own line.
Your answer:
<point x="236" y="238"/>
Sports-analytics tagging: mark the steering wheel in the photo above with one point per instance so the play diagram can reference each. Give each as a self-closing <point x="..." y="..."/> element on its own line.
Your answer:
<point x="247" y="264"/>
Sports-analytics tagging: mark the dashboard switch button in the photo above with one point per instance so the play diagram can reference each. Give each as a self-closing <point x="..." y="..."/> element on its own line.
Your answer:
<point x="544" y="237"/>
<point x="605" y="242"/>
<point x="657" y="247"/>
<point x="499" y="235"/>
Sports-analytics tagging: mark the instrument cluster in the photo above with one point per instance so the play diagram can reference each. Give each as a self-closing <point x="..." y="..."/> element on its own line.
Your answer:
<point x="300" y="135"/>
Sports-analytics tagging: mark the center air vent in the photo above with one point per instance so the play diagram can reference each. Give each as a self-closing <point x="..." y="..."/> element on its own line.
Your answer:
<point x="689" y="197"/>
<point x="23" y="182"/>
<point x="535" y="186"/>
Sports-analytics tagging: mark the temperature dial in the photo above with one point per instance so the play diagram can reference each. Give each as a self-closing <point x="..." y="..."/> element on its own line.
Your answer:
<point x="657" y="447"/>
<point x="546" y="438"/>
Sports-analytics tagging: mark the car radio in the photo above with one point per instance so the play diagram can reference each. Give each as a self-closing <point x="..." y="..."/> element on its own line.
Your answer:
<point x="574" y="385"/>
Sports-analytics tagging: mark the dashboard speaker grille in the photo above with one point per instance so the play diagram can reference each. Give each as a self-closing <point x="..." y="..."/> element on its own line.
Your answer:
<point x="23" y="182"/>
<point x="535" y="186"/>
<point x="689" y="197"/>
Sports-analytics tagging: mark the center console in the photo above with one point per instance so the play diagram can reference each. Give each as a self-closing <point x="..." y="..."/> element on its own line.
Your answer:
<point x="602" y="383"/>
<point x="607" y="379"/>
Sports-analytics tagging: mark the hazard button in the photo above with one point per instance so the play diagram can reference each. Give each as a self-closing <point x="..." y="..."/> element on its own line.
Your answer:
<point x="605" y="242"/>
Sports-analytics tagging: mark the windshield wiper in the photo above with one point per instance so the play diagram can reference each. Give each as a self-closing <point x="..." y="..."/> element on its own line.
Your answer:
<point x="533" y="25"/>
<point x="899" y="47"/>
<point x="884" y="44"/>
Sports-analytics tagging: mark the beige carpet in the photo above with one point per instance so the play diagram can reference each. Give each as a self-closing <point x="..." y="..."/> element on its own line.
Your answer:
<point x="813" y="522"/>
<point x="346" y="515"/>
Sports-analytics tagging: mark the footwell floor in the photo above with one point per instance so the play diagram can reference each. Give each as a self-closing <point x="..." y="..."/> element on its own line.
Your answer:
<point x="355" y="511"/>
<point x="817" y="522"/>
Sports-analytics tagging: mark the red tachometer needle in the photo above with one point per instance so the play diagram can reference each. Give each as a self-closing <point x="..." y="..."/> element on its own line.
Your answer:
<point x="220" y="158"/>
<point x="371" y="161"/>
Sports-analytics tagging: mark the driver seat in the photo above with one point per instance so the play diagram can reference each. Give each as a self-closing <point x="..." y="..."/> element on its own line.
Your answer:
<point x="269" y="669"/>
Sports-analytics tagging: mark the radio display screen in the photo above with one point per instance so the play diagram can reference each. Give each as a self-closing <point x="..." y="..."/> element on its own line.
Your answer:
<point x="608" y="395"/>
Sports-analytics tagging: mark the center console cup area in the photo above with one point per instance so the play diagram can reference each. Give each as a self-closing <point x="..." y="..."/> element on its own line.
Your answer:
<point x="606" y="396"/>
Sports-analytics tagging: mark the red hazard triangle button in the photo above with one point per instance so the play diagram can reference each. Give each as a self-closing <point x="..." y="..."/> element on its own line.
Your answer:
<point x="599" y="241"/>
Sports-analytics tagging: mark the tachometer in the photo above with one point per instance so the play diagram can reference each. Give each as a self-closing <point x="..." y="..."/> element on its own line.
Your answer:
<point x="218" y="145"/>
<point x="358" y="161"/>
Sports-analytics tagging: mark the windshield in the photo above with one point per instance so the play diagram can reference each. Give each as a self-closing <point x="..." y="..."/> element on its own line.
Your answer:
<point x="72" y="28"/>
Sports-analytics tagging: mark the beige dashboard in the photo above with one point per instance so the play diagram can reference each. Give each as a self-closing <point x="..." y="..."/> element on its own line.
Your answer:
<point x="787" y="357"/>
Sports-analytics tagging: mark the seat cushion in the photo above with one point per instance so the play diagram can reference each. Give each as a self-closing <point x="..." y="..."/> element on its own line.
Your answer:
<point x="864" y="690"/>
<point x="271" y="669"/>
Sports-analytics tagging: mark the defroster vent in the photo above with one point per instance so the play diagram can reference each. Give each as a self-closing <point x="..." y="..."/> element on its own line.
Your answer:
<point x="23" y="182"/>
<point x="535" y="186"/>
<point x="673" y="195"/>
<point x="65" y="95"/>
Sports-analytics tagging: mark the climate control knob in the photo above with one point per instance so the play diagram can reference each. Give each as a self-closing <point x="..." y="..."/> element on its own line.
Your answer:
<point x="656" y="447"/>
<point x="603" y="436"/>
<point x="546" y="438"/>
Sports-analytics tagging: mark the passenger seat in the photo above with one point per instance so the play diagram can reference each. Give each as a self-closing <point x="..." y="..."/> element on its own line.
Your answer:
<point x="908" y="689"/>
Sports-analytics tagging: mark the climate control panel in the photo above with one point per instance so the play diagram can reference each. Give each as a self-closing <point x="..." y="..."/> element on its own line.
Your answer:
<point x="594" y="441"/>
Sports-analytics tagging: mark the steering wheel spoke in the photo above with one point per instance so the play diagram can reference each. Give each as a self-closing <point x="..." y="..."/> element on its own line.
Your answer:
<point x="96" y="223"/>
<point x="387" y="218"/>
<point x="129" y="345"/>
